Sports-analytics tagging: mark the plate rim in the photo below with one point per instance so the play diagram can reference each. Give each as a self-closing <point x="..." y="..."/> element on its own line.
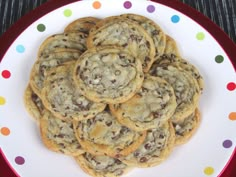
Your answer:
<point x="19" y="26"/>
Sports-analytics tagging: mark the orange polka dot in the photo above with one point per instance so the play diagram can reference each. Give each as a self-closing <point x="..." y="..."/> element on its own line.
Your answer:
<point x="96" y="5"/>
<point x="5" y="131"/>
<point x="232" y="116"/>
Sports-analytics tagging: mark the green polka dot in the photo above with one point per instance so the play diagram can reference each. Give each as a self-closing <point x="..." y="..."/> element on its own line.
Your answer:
<point x="200" y="36"/>
<point x="41" y="27"/>
<point x="219" y="59"/>
<point x="67" y="13"/>
<point x="209" y="171"/>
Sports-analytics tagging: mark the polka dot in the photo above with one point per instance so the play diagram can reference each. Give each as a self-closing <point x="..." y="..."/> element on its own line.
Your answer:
<point x="97" y="5"/>
<point x="175" y="18"/>
<point x="231" y="86"/>
<point x="41" y="27"/>
<point x="219" y="59"/>
<point x="6" y="74"/>
<point x="150" y="8"/>
<point x="67" y="13"/>
<point x="200" y="36"/>
<point x="209" y="171"/>
<point x="232" y="116"/>
<point x="127" y="4"/>
<point x="2" y="100"/>
<point x="19" y="160"/>
<point x="20" y="49"/>
<point x="227" y="143"/>
<point x="5" y="131"/>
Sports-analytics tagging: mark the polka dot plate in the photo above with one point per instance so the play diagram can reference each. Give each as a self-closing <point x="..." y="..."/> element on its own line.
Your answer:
<point x="206" y="154"/>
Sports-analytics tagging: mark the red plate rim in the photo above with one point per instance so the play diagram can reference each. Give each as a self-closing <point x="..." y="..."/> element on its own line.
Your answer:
<point x="15" y="30"/>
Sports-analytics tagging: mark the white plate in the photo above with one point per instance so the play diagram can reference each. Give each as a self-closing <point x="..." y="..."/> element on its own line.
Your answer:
<point x="205" y="154"/>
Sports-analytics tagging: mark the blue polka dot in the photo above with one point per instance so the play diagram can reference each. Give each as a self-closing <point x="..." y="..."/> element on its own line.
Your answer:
<point x="175" y="18"/>
<point x="20" y="49"/>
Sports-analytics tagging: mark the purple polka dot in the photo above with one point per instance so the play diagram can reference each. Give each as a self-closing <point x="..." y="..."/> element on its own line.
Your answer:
<point x="227" y="143"/>
<point x="127" y="4"/>
<point x="150" y="8"/>
<point x="19" y="160"/>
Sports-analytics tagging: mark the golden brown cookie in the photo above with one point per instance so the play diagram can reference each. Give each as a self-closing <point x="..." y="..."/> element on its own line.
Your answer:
<point x="82" y="25"/>
<point x="153" y="104"/>
<point x="47" y="62"/>
<point x="154" y="31"/>
<point x="186" y="128"/>
<point x="155" y="149"/>
<point x="185" y="86"/>
<point x="101" y="166"/>
<point x="71" y="40"/>
<point x="103" y="135"/>
<point x="122" y="32"/>
<point x="58" y="135"/>
<point x="63" y="99"/>
<point x="172" y="56"/>
<point x="108" y="75"/>
<point x="33" y="104"/>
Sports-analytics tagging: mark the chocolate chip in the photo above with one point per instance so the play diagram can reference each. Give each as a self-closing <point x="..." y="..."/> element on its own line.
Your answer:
<point x="144" y="90"/>
<point x="117" y="72"/>
<point x="143" y="160"/>
<point x="113" y="81"/>
<point x="34" y="97"/>
<point x="119" y="173"/>
<point x="109" y="123"/>
<point x="133" y="37"/>
<point x="155" y="32"/>
<point x="125" y="45"/>
<point x="117" y="161"/>
<point x="147" y="146"/>
<point x="118" y="156"/>
<point x="156" y="114"/>
<point x="136" y="154"/>
<point x="61" y="136"/>
<point x="147" y="59"/>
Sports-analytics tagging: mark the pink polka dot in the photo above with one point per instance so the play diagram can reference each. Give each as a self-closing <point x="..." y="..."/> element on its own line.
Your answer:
<point x="127" y="4"/>
<point x="231" y="86"/>
<point x="6" y="74"/>
<point x="19" y="160"/>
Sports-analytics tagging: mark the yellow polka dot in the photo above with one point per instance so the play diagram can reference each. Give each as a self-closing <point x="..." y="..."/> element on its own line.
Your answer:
<point x="209" y="171"/>
<point x="2" y="100"/>
<point x="96" y="5"/>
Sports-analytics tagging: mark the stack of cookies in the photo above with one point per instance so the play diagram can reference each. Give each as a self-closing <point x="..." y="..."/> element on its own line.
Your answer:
<point x="113" y="93"/>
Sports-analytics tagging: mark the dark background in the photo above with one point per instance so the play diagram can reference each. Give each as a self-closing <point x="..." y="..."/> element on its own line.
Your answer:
<point x="222" y="12"/>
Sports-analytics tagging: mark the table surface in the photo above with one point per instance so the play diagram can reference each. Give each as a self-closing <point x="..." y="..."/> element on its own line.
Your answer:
<point x="221" y="12"/>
